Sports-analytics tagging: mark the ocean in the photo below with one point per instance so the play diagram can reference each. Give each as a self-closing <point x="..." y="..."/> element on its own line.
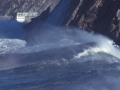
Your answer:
<point x="81" y="62"/>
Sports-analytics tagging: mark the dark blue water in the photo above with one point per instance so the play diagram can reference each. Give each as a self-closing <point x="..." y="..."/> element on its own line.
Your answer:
<point x="73" y="67"/>
<point x="62" y="75"/>
<point x="83" y="62"/>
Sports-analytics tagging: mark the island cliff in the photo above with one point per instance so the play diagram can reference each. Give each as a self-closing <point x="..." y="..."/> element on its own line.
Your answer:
<point x="11" y="7"/>
<point x="96" y="16"/>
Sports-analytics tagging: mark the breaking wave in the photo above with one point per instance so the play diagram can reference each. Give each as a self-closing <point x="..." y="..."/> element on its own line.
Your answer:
<point x="77" y="62"/>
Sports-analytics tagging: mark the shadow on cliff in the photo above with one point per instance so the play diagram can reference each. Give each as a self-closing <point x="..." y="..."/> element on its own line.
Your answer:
<point x="34" y="26"/>
<point x="107" y="22"/>
<point x="94" y="16"/>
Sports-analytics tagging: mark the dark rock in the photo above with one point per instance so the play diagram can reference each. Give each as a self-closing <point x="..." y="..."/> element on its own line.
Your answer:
<point x="91" y="15"/>
<point x="33" y="27"/>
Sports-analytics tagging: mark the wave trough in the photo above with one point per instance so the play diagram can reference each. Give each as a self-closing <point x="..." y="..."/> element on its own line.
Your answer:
<point x="70" y="63"/>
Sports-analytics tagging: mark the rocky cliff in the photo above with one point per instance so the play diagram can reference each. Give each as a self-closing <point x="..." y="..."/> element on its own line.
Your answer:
<point x="96" y="16"/>
<point x="11" y="7"/>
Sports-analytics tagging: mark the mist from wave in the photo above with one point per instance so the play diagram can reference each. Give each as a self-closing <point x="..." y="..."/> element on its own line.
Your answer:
<point x="81" y="61"/>
<point x="54" y="42"/>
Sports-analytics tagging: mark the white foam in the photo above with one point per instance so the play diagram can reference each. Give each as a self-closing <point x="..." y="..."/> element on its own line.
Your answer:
<point x="103" y="44"/>
<point x="109" y="49"/>
<point x="90" y="51"/>
<point x="10" y="45"/>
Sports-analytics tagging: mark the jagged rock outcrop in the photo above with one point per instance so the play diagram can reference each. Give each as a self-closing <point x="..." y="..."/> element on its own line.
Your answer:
<point x="97" y="16"/>
<point x="11" y="7"/>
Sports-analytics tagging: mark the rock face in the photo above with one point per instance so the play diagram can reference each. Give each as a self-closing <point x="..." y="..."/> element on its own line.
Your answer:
<point x="99" y="16"/>
<point x="11" y="7"/>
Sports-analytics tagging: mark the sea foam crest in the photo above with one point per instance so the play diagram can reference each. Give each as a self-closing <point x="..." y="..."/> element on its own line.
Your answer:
<point x="91" y="51"/>
<point x="103" y="47"/>
<point x="10" y="45"/>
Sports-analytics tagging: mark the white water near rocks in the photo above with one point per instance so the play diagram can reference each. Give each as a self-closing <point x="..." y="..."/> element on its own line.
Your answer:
<point x="80" y="62"/>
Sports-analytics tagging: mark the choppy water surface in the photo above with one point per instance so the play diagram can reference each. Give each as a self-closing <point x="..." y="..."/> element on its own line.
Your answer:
<point x="77" y="64"/>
